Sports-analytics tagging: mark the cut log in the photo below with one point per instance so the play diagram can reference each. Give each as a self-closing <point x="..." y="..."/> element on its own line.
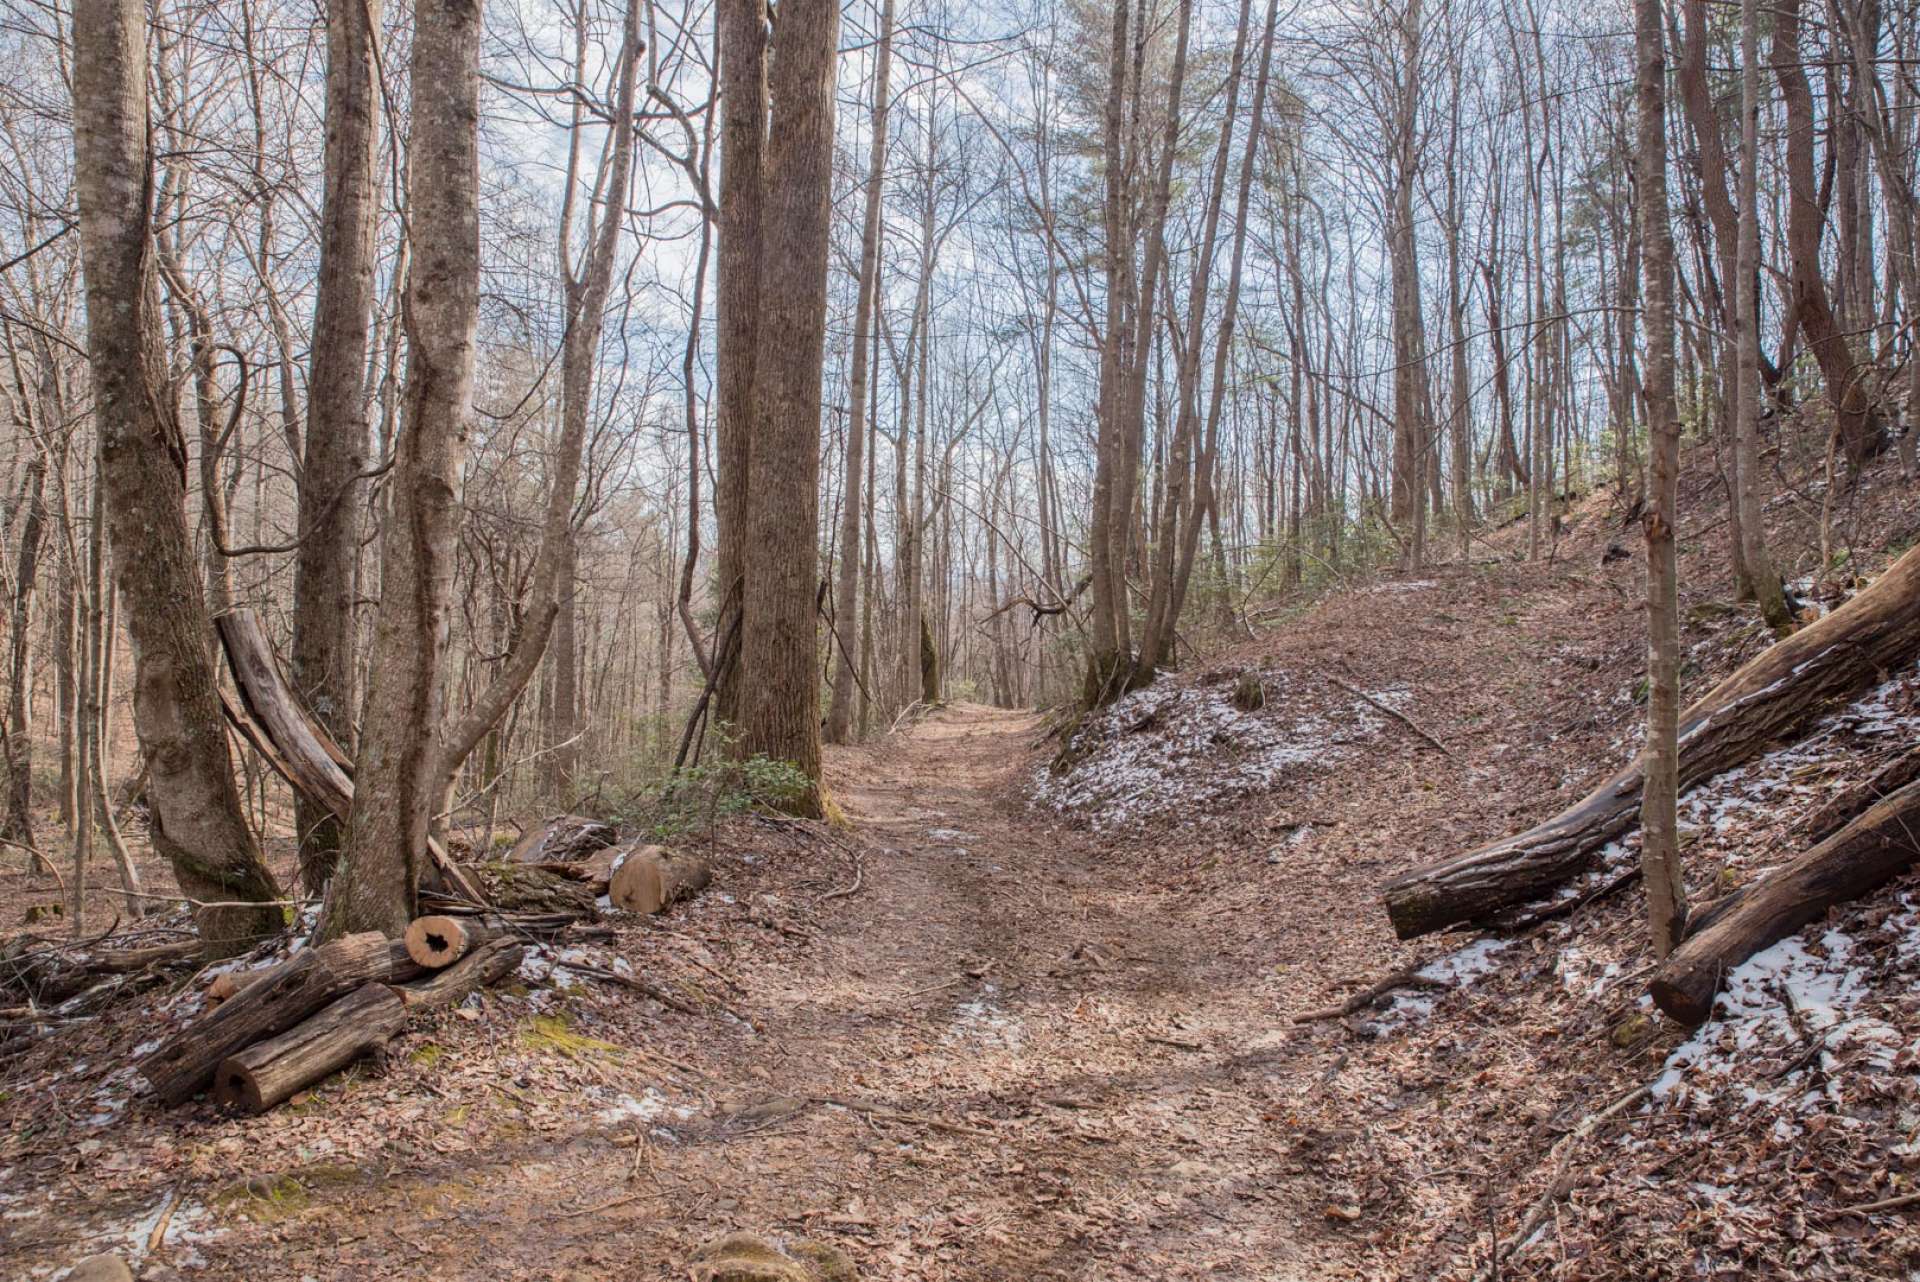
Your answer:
<point x="185" y="1062"/>
<point x="488" y="964"/>
<point x="439" y="941"/>
<point x="264" y="1074"/>
<point x="1873" y="849"/>
<point x="649" y="879"/>
<point x="1841" y="808"/>
<point x="562" y="839"/>
<point x="1776" y="693"/>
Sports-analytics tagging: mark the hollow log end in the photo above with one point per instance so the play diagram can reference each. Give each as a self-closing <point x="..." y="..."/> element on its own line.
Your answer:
<point x="235" y="1089"/>
<point x="436" y="941"/>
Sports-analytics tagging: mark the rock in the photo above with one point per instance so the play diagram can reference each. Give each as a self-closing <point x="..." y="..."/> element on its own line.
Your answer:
<point x="101" y="1268"/>
<point x="747" y="1257"/>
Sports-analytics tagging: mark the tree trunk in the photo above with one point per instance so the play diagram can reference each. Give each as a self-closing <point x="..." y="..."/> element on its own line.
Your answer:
<point x="197" y="822"/>
<point x="397" y="787"/>
<point x="1770" y="697"/>
<point x="840" y="710"/>
<point x="1865" y="854"/>
<point x="649" y="879"/>
<point x="740" y="34"/>
<point x="1660" y="761"/>
<point x="1858" y="429"/>
<point x="19" y="745"/>
<point x="779" y="640"/>
<point x="324" y="588"/>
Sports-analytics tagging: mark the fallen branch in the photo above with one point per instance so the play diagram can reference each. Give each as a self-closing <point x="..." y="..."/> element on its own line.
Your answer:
<point x="1401" y="717"/>
<point x="1410" y="977"/>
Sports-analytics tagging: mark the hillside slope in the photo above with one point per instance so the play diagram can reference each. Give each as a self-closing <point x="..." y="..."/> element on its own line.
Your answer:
<point x="1520" y="1087"/>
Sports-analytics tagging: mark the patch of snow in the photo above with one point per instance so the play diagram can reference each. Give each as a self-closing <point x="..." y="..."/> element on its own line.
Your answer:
<point x="1181" y="748"/>
<point x="648" y="1106"/>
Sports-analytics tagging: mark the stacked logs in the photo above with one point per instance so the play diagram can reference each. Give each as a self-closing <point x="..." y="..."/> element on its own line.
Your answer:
<point x="271" y="1033"/>
<point x="280" y="1030"/>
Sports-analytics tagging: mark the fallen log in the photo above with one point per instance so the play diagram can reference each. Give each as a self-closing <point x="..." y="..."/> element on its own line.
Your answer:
<point x="1848" y="802"/>
<point x="270" y="1071"/>
<point x="649" y="879"/>
<point x="185" y="1062"/>
<point x="562" y="839"/>
<point x="488" y="964"/>
<point x="52" y="973"/>
<point x="528" y="888"/>
<point x="1873" y="849"/>
<point x="1778" y="691"/>
<point x="438" y="941"/>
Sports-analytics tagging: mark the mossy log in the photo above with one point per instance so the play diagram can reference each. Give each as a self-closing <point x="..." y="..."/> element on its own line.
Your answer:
<point x="525" y="888"/>
<point x="562" y="839"/>
<point x="1768" y="699"/>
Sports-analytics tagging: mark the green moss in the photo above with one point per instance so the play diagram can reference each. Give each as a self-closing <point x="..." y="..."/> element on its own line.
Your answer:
<point x="553" y="1034"/>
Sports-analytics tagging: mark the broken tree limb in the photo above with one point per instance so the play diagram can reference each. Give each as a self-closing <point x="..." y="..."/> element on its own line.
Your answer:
<point x="1397" y="715"/>
<point x="1873" y="849"/>
<point x="186" y="1061"/>
<point x="270" y="1071"/>
<point x="649" y="879"/>
<point x="290" y="739"/>
<point x="488" y="964"/>
<point x="1777" y="692"/>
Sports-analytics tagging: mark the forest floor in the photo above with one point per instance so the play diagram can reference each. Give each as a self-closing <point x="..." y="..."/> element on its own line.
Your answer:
<point x="1032" y="1014"/>
<point x="993" y="1051"/>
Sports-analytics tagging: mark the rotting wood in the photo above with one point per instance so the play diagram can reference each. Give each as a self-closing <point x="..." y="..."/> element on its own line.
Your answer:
<point x="487" y="964"/>
<point x="438" y="940"/>
<point x="1874" y="848"/>
<point x="185" y="1062"/>
<point x="1770" y="697"/>
<point x="271" y="1071"/>
<point x="1844" y="805"/>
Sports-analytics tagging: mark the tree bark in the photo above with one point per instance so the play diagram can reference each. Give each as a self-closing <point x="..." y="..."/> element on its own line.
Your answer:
<point x="271" y="1071"/>
<point x="1771" y="696"/>
<point x="397" y="786"/>
<point x="185" y="1062"/>
<point x="324" y="579"/>
<point x="840" y="710"/>
<point x="1660" y="761"/>
<point x="197" y="822"/>
<point x="740" y="33"/>
<point x="779" y="642"/>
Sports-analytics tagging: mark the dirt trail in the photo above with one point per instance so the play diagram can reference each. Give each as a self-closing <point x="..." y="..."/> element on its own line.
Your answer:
<point x="1044" y="1070"/>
